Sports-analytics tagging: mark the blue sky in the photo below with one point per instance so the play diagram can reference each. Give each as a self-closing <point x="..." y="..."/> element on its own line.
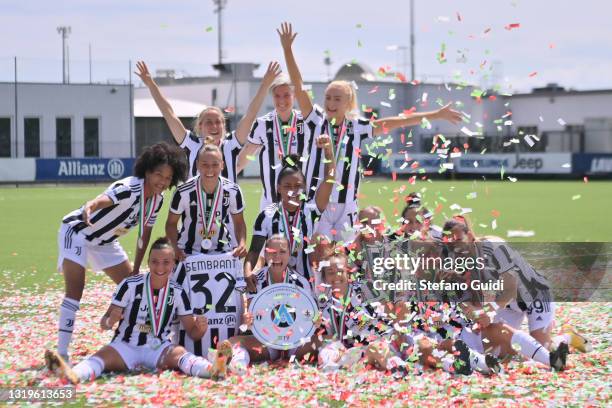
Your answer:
<point x="557" y="41"/>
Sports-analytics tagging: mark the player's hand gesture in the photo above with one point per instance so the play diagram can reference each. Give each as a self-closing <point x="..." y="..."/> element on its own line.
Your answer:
<point x="251" y="282"/>
<point x="247" y="318"/>
<point x="324" y="142"/>
<point x="286" y="35"/>
<point x="201" y="323"/>
<point x="240" y="251"/>
<point x="273" y="71"/>
<point x="143" y="73"/>
<point x="87" y="210"/>
<point x="113" y="316"/>
<point x="446" y="113"/>
<point x="179" y="254"/>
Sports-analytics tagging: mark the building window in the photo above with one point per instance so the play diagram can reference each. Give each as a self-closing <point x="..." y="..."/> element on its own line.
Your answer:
<point x="5" y="137"/>
<point x="31" y="131"/>
<point x="63" y="137"/>
<point x="526" y="137"/>
<point x="91" y="137"/>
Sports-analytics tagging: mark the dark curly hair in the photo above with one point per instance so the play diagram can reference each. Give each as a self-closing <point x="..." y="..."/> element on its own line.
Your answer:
<point x="159" y="154"/>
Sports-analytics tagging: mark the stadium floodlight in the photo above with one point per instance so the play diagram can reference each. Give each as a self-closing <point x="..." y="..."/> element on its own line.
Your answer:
<point x="220" y="5"/>
<point x="65" y="32"/>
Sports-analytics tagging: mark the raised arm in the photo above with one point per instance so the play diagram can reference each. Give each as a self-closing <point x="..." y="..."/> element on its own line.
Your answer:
<point x="325" y="188"/>
<point x="244" y="126"/>
<point x="174" y="123"/>
<point x="287" y="36"/>
<point x="249" y="149"/>
<point x="383" y="125"/>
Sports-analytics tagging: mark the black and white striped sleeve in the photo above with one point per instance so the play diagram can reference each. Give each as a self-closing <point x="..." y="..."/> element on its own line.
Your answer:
<point x="121" y="297"/>
<point x="236" y="200"/>
<point x="257" y="135"/>
<point x="177" y="206"/>
<point x="118" y="192"/>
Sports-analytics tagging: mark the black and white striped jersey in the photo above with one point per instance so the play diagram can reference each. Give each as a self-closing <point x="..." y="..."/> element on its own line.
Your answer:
<point x="500" y="259"/>
<point x="214" y="284"/>
<point x="361" y="324"/>
<point x="230" y="147"/>
<point x="349" y="137"/>
<point x="264" y="279"/>
<point x="110" y="223"/>
<point x="135" y="327"/>
<point x="265" y="132"/>
<point x="270" y="222"/>
<point x="186" y="203"/>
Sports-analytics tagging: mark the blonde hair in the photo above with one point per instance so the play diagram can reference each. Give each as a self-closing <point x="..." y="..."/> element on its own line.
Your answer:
<point x="209" y="146"/>
<point x="374" y="208"/>
<point x="198" y="120"/>
<point x="281" y="80"/>
<point x="353" y="109"/>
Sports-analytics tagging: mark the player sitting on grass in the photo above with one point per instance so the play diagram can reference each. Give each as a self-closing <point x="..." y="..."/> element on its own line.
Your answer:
<point x="90" y="234"/>
<point x="246" y="347"/>
<point x="145" y="305"/>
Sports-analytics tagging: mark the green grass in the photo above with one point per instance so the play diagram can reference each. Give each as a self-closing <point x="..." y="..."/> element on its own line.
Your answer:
<point x="555" y="210"/>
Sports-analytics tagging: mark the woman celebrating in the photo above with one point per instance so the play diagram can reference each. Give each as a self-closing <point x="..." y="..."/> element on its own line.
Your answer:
<point x="347" y="131"/>
<point x="292" y="215"/>
<point x="275" y="135"/>
<point x="206" y="204"/>
<point x="209" y="123"/>
<point x="145" y="305"/>
<point x="246" y="348"/>
<point x="89" y="235"/>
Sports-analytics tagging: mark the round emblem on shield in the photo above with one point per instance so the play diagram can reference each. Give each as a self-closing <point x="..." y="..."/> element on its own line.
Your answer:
<point x="283" y="316"/>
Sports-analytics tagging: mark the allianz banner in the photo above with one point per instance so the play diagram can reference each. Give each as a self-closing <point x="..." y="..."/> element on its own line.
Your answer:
<point x="592" y="163"/>
<point x="86" y="169"/>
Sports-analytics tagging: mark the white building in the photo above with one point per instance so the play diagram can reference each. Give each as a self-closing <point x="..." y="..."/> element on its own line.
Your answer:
<point x="71" y="120"/>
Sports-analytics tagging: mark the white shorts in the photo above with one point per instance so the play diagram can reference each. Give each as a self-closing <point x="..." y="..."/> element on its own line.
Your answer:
<point x="473" y="340"/>
<point x="539" y="316"/>
<point x="75" y="247"/>
<point x="337" y="221"/>
<point x="135" y="356"/>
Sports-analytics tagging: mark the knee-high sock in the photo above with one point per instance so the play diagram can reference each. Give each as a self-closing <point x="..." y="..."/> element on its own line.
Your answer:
<point x="195" y="366"/>
<point x="478" y="362"/>
<point x="67" y="317"/>
<point x="90" y="369"/>
<point x="329" y="355"/>
<point x="530" y="348"/>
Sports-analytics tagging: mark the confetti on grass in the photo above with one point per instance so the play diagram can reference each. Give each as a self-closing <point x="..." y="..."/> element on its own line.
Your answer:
<point x="28" y="325"/>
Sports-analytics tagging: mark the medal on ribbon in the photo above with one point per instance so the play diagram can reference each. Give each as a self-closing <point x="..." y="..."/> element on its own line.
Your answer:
<point x="147" y="208"/>
<point x="290" y="228"/>
<point x="207" y="222"/>
<point x="336" y="140"/>
<point x="338" y="323"/>
<point x="284" y="134"/>
<point x="157" y="308"/>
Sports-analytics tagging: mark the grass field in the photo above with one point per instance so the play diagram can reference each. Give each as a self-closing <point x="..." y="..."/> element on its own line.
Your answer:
<point x="554" y="210"/>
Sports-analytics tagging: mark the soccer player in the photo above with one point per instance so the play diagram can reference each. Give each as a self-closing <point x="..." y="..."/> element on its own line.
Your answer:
<point x="292" y="214"/>
<point x="246" y="348"/>
<point x="206" y="204"/>
<point x="144" y="306"/>
<point x="348" y="131"/>
<point x="89" y="234"/>
<point x="209" y="123"/>
<point x="275" y="135"/>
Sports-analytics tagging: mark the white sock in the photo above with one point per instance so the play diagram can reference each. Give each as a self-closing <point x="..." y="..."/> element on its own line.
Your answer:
<point x="478" y="362"/>
<point x="329" y="356"/>
<point x="195" y="366"/>
<point x="67" y="318"/>
<point x="447" y="364"/>
<point x="240" y="356"/>
<point x="394" y="362"/>
<point x="90" y="369"/>
<point x="530" y="348"/>
<point x="351" y="357"/>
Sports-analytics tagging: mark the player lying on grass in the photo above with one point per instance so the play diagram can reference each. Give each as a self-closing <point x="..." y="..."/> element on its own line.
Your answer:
<point x="246" y="347"/>
<point x="526" y="294"/>
<point x="208" y="206"/>
<point x="348" y="131"/>
<point x="292" y="214"/>
<point x="145" y="306"/>
<point x="89" y="235"/>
